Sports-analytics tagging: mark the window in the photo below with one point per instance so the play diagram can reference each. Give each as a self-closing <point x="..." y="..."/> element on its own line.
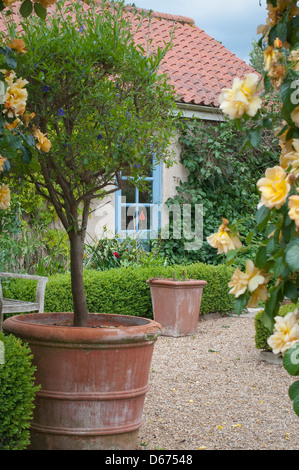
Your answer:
<point x="137" y="210"/>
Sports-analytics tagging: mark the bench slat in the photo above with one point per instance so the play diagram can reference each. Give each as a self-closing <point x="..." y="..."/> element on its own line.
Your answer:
<point x="17" y="306"/>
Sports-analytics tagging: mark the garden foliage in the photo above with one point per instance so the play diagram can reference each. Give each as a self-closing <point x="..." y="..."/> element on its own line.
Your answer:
<point x="221" y="177"/>
<point x="100" y="108"/>
<point x="262" y="332"/>
<point x="125" y="291"/>
<point x="17" y="393"/>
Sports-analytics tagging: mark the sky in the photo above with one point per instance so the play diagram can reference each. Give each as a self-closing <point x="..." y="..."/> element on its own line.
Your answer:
<point x="233" y="22"/>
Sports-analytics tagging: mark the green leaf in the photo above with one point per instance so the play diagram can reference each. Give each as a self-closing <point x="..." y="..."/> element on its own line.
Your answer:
<point x="261" y="257"/>
<point x="294" y="395"/>
<point x="255" y="136"/>
<point x="292" y="255"/>
<point x="290" y="290"/>
<point x="26" y="8"/>
<point x="294" y="390"/>
<point x="262" y="216"/>
<point x="40" y="11"/>
<point x="272" y="306"/>
<point x="249" y="237"/>
<point x="26" y="155"/>
<point x="280" y="31"/>
<point x="279" y="266"/>
<point x="291" y="360"/>
<point x="240" y="303"/>
<point x="11" y="61"/>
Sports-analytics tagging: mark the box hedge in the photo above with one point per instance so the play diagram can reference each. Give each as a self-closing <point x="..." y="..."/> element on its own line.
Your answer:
<point x="262" y="333"/>
<point x="17" y="393"/>
<point x="125" y="290"/>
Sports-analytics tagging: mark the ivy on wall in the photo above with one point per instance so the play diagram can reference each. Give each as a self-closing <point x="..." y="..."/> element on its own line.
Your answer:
<point x="222" y="177"/>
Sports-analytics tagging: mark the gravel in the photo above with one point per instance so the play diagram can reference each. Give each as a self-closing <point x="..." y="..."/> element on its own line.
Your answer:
<point x="212" y="391"/>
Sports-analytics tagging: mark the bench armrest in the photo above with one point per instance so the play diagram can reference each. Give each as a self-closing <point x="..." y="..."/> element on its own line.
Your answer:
<point x="40" y="288"/>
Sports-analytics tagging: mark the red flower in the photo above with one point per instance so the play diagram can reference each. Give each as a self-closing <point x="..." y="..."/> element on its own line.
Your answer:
<point x="116" y="254"/>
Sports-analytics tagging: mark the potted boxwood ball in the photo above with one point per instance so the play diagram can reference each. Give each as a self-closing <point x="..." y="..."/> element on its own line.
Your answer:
<point x="101" y="109"/>
<point x="176" y="304"/>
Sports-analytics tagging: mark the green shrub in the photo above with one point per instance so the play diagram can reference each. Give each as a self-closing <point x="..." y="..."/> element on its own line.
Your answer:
<point x="125" y="290"/>
<point x="17" y="392"/>
<point x="262" y="333"/>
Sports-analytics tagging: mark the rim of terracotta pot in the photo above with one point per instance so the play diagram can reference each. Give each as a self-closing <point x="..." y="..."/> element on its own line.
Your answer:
<point x="101" y="328"/>
<point x="176" y="283"/>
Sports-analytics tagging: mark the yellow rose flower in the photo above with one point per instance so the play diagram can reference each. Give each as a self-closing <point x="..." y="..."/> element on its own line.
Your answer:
<point x="18" y="45"/>
<point x="2" y="161"/>
<point x="276" y="74"/>
<point x="295" y="116"/>
<point x="252" y="279"/>
<point x="294" y="57"/>
<point x="238" y="283"/>
<point x="286" y="333"/>
<point x="13" y="125"/>
<point x="43" y="143"/>
<point x="260" y="293"/>
<point x="224" y="240"/>
<point x="4" y="197"/>
<point x="294" y="208"/>
<point x="290" y="159"/>
<point x="15" y="98"/>
<point x="269" y="55"/>
<point x="274" y="187"/>
<point x="9" y="75"/>
<point x="241" y="98"/>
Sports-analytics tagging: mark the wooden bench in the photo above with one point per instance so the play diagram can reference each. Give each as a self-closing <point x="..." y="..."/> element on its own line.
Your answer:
<point x="20" y="306"/>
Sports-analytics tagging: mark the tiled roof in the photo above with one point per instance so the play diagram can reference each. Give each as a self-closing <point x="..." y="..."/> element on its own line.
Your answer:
<point x="197" y="65"/>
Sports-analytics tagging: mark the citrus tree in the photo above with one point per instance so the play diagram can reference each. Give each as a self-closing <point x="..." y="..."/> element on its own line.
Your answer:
<point x="98" y="107"/>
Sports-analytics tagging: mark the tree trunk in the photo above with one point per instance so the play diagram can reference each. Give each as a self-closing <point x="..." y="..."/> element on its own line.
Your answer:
<point x="79" y="299"/>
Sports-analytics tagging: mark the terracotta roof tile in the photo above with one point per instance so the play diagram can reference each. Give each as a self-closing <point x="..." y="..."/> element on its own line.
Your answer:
<point x="197" y="65"/>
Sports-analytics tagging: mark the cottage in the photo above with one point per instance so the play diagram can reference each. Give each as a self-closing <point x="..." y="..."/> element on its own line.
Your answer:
<point x="198" y="67"/>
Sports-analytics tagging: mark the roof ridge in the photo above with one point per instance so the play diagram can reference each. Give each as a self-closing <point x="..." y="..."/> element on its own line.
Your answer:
<point x="167" y="16"/>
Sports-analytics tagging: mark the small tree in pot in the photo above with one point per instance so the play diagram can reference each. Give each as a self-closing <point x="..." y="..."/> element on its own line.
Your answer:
<point x="100" y="109"/>
<point x="99" y="100"/>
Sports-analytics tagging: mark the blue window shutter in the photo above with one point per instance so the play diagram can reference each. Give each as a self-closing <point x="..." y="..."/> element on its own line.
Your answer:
<point x="155" y="206"/>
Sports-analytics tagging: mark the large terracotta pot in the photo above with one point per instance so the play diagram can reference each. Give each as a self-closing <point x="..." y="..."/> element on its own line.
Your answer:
<point x="176" y="305"/>
<point x="93" y="379"/>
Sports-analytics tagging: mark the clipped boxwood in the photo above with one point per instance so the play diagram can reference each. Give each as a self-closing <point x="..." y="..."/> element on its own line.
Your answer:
<point x="262" y="333"/>
<point x="125" y="290"/>
<point x="17" y="393"/>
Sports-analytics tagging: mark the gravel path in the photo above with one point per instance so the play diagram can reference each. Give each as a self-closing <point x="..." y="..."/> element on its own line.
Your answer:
<point x="211" y="391"/>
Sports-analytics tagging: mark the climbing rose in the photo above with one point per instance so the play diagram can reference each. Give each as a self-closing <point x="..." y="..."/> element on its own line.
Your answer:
<point x="251" y="279"/>
<point x="2" y="161"/>
<point x="43" y="143"/>
<point x="286" y="333"/>
<point x="274" y="187"/>
<point x="4" y="197"/>
<point x="294" y="208"/>
<point x="224" y="240"/>
<point x="241" y="98"/>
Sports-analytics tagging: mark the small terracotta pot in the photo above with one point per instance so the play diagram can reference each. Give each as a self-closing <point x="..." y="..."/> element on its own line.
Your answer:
<point x="93" y="379"/>
<point x="176" y="305"/>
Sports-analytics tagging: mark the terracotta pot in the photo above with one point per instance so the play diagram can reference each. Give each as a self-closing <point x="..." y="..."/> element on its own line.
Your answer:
<point x="176" y="305"/>
<point x="93" y="379"/>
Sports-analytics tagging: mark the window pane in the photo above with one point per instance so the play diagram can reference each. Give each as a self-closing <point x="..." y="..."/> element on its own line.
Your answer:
<point x="144" y="218"/>
<point x="128" y="191"/>
<point x="146" y="193"/>
<point x="128" y="220"/>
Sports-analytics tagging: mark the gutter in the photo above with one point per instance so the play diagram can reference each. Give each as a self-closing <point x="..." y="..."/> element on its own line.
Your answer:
<point x="207" y="113"/>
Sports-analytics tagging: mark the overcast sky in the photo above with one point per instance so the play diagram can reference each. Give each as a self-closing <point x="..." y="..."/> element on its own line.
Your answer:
<point x="233" y="22"/>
